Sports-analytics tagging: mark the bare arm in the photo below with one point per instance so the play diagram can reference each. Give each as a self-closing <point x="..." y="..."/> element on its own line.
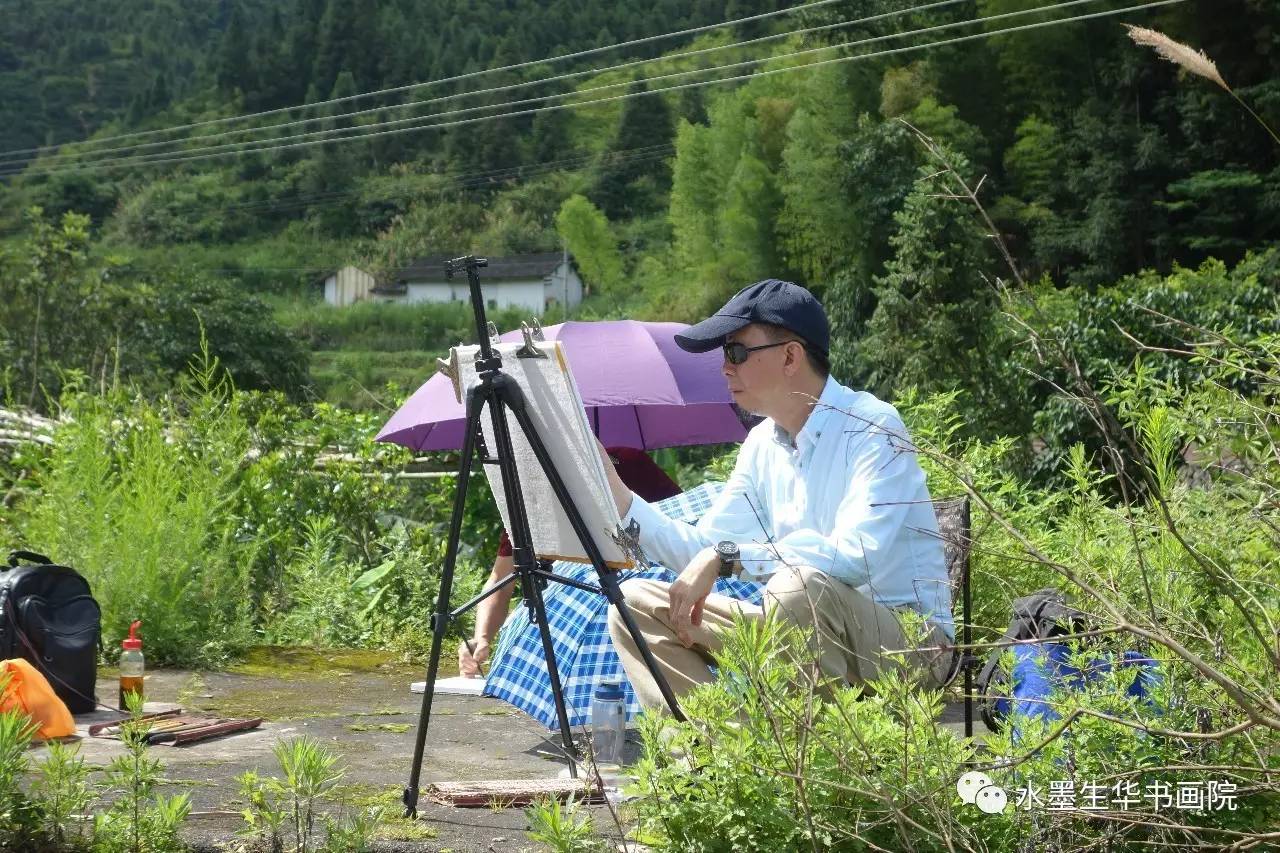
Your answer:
<point x="621" y="494"/>
<point x="490" y="614"/>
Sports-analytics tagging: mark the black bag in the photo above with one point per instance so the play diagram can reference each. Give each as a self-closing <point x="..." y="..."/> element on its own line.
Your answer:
<point x="48" y="616"/>
<point x="1039" y="616"/>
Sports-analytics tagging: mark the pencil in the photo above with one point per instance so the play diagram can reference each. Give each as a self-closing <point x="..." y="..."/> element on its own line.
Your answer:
<point x="471" y="650"/>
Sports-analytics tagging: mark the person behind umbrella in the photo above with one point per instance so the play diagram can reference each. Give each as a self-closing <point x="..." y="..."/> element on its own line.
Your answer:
<point x="827" y="503"/>
<point x="637" y="471"/>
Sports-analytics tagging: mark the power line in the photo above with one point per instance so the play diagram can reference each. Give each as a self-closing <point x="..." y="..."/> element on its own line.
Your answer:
<point x="805" y="31"/>
<point x="457" y="78"/>
<point x="668" y="58"/>
<point x="367" y="132"/>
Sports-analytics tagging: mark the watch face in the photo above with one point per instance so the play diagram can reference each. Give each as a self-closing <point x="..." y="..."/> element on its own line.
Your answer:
<point x="727" y="550"/>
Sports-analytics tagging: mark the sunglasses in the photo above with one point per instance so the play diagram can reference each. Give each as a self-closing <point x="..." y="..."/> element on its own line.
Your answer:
<point x="736" y="353"/>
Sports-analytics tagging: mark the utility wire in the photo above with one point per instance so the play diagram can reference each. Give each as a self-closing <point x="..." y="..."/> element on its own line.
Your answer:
<point x="417" y="122"/>
<point x="459" y="77"/>
<point x="137" y="161"/>
<point x="56" y="158"/>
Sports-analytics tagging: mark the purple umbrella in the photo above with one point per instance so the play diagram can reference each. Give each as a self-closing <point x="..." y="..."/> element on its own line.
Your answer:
<point x="639" y="388"/>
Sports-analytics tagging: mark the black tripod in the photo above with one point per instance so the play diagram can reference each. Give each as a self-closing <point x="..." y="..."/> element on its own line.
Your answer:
<point x="501" y="394"/>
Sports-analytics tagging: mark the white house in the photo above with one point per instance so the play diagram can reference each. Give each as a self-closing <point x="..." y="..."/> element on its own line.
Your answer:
<point x="347" y="285"/>
<point x="537" y="282"/>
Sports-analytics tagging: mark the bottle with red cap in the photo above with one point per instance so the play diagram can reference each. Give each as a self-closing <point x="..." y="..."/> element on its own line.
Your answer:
<point x="131" y="665"/>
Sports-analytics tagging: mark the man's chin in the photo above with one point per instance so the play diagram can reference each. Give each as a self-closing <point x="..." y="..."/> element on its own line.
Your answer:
<point x="744" y="403"/>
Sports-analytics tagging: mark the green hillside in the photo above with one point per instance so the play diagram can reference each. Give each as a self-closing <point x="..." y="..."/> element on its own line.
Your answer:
<point x="1097" y="160"/>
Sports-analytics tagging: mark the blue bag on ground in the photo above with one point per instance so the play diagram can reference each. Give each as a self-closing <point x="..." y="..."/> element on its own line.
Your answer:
<point x="1040" y="668"/>
<point x="1041" y="661"/>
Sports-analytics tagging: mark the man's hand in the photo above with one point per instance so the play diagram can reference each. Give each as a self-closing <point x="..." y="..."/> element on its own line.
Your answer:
<point x="689" y="593"/>
<point x="469" y="660"/>
<point x="621" y="494"/>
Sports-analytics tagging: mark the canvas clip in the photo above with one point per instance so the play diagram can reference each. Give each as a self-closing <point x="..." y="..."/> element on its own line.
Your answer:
<point x="529" y="350"/>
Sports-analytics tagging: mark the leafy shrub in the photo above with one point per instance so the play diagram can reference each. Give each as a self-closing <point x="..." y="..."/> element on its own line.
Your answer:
<point x="283" y="808"/>
<point x="18" y="818"/>
<point x="135" y="495"/>
<point x="766" y="768"/>
<point x="239" y="329"/>
<point x="45" y="813"/>
<point x="565" y="828"/>
<point x="1108" y="328"/>
<point x="307" y="463"/>
<point x="140" y="820"/>
<point x="1183" y="573"/>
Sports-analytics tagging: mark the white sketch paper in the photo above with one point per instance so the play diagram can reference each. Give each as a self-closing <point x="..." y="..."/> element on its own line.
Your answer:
<point x="555" y="408"/>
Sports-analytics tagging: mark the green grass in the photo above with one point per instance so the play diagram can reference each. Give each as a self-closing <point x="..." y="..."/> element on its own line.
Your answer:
<point x="358" y="379"/>
<point x="289" y="261"/>
<point x="385" y="326"/>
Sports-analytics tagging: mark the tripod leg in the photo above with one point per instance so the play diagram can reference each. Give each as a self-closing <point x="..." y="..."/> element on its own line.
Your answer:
<point x="534" y="590"/>
<point x="440" y="620"/>
<point x="613" y="591"/>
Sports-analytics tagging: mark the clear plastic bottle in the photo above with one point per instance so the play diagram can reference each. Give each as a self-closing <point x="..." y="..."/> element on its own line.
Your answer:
<point x="132" y="665"/>
<point x="608" y="722"/>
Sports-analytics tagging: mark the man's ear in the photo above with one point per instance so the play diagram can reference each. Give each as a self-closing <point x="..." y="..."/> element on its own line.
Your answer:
<point x="794" y="358"/>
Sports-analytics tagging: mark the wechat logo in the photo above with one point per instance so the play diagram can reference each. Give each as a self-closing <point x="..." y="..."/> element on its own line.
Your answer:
<point x="976" y="788"/>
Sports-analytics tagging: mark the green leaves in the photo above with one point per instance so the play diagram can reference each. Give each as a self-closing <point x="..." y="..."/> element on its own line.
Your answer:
<point x="587" y="235"/>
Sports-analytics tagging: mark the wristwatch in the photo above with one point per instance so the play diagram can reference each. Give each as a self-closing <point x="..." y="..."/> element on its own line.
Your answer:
<point x="728" y="553"/>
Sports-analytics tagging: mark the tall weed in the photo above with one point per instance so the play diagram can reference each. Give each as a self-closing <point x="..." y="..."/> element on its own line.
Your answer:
<point x="136" y="496"/>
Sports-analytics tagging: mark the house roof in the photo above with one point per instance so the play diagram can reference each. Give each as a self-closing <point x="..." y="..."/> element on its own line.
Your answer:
<point x="536" y="265"/>
<point x="321" y="277"/>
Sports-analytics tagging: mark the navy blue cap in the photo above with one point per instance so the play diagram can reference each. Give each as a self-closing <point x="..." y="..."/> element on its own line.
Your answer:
<point x="779" y="303"/>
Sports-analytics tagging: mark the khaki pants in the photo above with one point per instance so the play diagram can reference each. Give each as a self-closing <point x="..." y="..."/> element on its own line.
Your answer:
<point x="850" y="631"/>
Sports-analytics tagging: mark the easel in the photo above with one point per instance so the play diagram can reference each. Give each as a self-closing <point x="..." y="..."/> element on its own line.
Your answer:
<point x="502" y="394"/>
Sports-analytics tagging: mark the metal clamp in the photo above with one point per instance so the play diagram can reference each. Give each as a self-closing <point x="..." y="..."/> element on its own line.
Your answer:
<point x="450" y="368"/>
<point x="529" y="350"/>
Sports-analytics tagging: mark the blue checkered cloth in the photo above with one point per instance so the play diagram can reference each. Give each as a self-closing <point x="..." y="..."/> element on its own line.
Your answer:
<point x="579" y="622"/>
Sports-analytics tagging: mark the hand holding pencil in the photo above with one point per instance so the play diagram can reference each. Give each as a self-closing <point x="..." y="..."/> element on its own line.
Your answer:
<point x="471" y="657"/>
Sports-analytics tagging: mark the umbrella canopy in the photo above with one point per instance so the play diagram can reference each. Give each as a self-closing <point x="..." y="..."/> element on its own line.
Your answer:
<point x="579" y="625"/>
<point x="640" y="390"/>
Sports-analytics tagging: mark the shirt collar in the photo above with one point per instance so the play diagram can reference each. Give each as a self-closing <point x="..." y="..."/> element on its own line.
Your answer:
<point x="812" y="429"/>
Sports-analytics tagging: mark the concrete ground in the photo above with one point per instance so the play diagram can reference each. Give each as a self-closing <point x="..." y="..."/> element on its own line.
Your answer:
<point x="359" y="705"/>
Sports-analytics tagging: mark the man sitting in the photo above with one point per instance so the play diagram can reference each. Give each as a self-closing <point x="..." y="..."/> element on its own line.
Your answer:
<point x="827" y="502"/>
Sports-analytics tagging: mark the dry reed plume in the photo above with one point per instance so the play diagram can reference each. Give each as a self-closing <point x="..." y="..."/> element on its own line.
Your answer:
<point x="1192" y="60"/>
<point x="1189" y="58"/>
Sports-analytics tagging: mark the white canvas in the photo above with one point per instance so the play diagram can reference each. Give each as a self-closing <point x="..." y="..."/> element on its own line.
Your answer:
<point x="556" y="411"/>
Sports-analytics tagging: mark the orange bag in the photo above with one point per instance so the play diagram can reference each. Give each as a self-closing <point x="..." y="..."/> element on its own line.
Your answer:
<point x="28" y="691"/>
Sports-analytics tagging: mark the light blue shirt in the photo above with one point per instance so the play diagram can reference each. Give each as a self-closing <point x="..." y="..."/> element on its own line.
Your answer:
<point x="848" y="497"/>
